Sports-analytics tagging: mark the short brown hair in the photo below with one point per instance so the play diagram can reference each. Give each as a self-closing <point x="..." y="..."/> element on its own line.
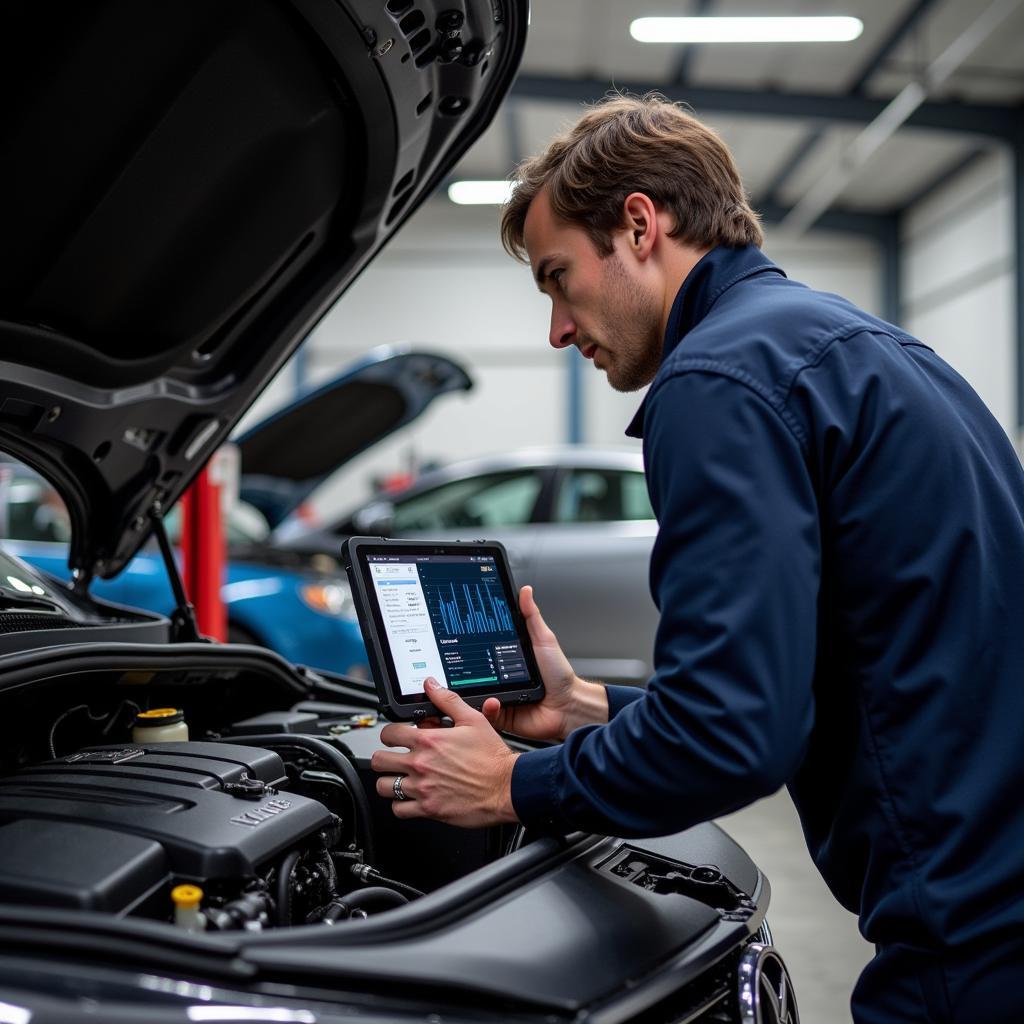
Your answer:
<point x="630" y="144"/>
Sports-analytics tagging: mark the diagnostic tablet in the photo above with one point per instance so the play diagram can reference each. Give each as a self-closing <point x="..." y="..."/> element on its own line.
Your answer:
<point x="447" y="610"/>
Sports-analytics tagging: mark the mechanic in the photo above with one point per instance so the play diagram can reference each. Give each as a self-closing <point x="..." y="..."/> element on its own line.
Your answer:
<point x="839" y="571"/>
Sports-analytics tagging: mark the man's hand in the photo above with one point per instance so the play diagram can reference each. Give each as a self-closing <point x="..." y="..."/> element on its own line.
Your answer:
<point x="461" y="775"/>
<point x="569" y="701"/>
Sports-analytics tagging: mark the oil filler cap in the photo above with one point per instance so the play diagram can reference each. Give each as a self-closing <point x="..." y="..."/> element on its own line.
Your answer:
<point x="246" y="788"/>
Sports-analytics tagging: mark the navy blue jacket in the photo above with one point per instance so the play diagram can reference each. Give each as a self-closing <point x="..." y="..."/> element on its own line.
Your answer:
<point x="840" y="574"/>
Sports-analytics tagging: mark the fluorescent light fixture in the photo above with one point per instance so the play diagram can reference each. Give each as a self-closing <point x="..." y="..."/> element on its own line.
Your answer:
<point x="746" y="30"/>
<point x="11" y="1014"/>
<point x="246" y="1014"/>
<point x="480" y="193"/>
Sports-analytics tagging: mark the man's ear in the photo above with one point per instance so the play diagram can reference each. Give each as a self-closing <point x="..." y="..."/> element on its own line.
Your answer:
<point x="640" y="217"/>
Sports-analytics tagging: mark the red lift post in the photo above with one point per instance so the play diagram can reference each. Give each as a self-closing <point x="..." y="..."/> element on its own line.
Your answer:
<point x="204" y="552"/>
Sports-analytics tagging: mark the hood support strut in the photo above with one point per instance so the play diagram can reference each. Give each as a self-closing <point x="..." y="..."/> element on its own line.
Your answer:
<point x="183" y="619"/>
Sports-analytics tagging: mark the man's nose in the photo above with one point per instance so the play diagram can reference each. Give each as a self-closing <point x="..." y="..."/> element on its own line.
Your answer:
<point x="563" y="328"/>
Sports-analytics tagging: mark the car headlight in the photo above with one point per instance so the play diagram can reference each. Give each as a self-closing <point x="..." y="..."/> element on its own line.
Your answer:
<point x="333" y="598"/>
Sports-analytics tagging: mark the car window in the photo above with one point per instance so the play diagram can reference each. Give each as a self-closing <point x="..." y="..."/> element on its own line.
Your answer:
<point x="602" y="496"/>
<point x="496" y="499"/>
<point x="30" y="509"/>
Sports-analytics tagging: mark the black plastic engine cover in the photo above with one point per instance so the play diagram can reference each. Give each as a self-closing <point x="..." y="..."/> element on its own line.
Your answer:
<point x="185" y="797"/>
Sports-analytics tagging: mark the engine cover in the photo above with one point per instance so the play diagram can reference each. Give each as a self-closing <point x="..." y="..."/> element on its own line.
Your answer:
<point x="107" y="827"/>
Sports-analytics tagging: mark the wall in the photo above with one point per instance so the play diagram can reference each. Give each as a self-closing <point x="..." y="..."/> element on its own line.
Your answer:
<point x="445" y="283"/>
<point x="958" y="266"/>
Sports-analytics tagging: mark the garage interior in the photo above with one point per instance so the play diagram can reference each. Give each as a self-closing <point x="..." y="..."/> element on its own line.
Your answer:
<point x="889" y="169"/>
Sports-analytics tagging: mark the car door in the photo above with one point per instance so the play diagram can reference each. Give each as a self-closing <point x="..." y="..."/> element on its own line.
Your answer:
<point x="590" y="572"/>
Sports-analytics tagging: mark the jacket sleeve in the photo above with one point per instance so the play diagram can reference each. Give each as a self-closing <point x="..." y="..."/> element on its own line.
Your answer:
<point x="734" y="571"/>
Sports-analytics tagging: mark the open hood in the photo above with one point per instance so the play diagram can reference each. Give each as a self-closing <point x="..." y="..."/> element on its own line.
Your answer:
<point x="188" y="187"/>
<point x="287" y="455"/>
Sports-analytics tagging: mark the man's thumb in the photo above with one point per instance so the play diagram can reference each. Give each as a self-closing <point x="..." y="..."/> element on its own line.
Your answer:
<point x="447" y="700"/>
<point x="538" y="629"/>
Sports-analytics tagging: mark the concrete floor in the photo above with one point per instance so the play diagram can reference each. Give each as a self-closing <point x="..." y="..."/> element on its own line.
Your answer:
<point x="816" y="936"/>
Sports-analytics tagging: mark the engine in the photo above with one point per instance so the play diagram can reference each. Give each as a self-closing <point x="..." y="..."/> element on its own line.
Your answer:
<point x="210" y="834"/>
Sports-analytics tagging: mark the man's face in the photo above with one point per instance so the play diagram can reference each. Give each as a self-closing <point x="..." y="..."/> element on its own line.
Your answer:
<point x="599" y="304"/>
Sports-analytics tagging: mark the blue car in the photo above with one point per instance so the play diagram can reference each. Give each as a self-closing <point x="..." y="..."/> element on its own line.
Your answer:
<point x="305" y="615"/>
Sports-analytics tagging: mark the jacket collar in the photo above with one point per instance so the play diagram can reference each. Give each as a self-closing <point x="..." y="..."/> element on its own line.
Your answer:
<point x="715" y="273"/>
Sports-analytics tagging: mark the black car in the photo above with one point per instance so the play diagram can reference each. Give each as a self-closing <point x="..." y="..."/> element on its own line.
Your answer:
<point x="187" y="187"/>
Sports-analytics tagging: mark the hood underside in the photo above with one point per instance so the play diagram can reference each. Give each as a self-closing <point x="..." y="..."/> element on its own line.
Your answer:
<point x="286" y="456"/>
<point x="189" y="186"/>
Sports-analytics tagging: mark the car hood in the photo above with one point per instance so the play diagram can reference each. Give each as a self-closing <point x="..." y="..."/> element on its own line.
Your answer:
<point x="189" y="187"/>
<point x="285" y="456"/>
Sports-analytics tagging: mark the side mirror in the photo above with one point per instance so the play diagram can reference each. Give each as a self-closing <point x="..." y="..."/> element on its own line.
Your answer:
<point x="375" y="520"/>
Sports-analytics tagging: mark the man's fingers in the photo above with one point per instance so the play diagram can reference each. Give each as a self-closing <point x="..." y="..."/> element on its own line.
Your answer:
<point x="407" y="809"/>
<point x="450" y="703"/>
<point x="386" y="787"/>
<point x="398" y="735"/>
<point x="389" y="761"/>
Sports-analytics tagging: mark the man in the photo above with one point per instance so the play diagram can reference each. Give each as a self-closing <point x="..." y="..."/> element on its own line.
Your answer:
<point x="839" y="571"/>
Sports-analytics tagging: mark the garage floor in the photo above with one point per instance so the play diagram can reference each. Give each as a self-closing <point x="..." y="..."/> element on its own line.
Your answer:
<point x="817" y="937"/>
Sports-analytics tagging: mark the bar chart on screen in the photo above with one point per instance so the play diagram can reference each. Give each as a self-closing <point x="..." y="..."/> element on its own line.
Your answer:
<point x="466" y="600"/>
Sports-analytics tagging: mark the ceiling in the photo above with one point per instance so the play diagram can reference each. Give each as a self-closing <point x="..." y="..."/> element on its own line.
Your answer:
<point x="787" y="111"/>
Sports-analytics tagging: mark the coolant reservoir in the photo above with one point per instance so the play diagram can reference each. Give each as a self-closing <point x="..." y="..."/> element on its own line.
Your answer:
<point x="187" y="915"/>
<point x="161" y="725"/>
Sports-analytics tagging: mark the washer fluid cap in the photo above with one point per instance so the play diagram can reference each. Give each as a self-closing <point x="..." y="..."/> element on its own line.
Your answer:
<point x="187" y="897"/>
<point x="160" y="716"/>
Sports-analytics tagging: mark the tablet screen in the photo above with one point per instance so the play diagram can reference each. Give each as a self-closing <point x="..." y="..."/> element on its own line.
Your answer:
<point x="447" y="616"/>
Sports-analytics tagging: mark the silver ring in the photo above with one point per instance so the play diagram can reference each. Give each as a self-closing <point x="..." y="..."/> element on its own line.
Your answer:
<point x="396" y="786"/>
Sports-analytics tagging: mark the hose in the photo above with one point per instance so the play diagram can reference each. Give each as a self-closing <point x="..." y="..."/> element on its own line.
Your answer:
<point x="364" y="901"/>
<point x="284" y="888"/>
<point x="341" y="765"/>
<point x="370" y="874"/>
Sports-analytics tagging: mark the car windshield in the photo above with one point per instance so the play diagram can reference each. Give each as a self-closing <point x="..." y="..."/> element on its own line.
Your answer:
<point x="30" y="509"/>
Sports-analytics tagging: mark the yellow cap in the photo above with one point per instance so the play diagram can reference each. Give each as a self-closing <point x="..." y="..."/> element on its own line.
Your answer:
<point x="186" y="896"/>
<point x="158" y="713"/>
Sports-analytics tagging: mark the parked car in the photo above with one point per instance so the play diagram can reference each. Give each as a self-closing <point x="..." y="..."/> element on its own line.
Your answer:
<point x="577" y="523"/>
<point x="189" y="187"/>
<point x="302" y="611"/>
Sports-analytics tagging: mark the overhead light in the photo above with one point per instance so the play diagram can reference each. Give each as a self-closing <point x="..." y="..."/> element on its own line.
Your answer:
<point x="480" y="193"/>
<point x="746" y="30"/>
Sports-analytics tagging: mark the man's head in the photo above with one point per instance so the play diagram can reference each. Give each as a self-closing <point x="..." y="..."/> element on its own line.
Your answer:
<point x="613" y="216"/>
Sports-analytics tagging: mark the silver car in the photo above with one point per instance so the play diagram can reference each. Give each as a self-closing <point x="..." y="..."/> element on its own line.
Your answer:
<point x="577" y="524"/>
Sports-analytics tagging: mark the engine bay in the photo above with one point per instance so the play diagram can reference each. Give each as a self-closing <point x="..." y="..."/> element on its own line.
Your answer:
<point x="267" y="821"/>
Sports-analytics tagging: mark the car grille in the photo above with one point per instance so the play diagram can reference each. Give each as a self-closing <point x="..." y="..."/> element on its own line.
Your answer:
<point x="750" y="986"/>
<point x="23" y="622"/>
<point x="710" y="999"/>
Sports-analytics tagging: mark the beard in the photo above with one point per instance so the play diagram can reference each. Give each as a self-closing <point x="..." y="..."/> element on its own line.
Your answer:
<point x="630" y="330"/>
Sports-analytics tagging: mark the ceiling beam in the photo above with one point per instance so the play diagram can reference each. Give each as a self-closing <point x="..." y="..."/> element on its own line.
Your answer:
<point x="1000" y="122"/>
<point x="684" y="63"/>
<point x="906" y="24"/>
<point x="876" y="226"/>
<point x="799" y="153"/>
<point x="827" y="188"/>
<point x="900" y="31"/>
